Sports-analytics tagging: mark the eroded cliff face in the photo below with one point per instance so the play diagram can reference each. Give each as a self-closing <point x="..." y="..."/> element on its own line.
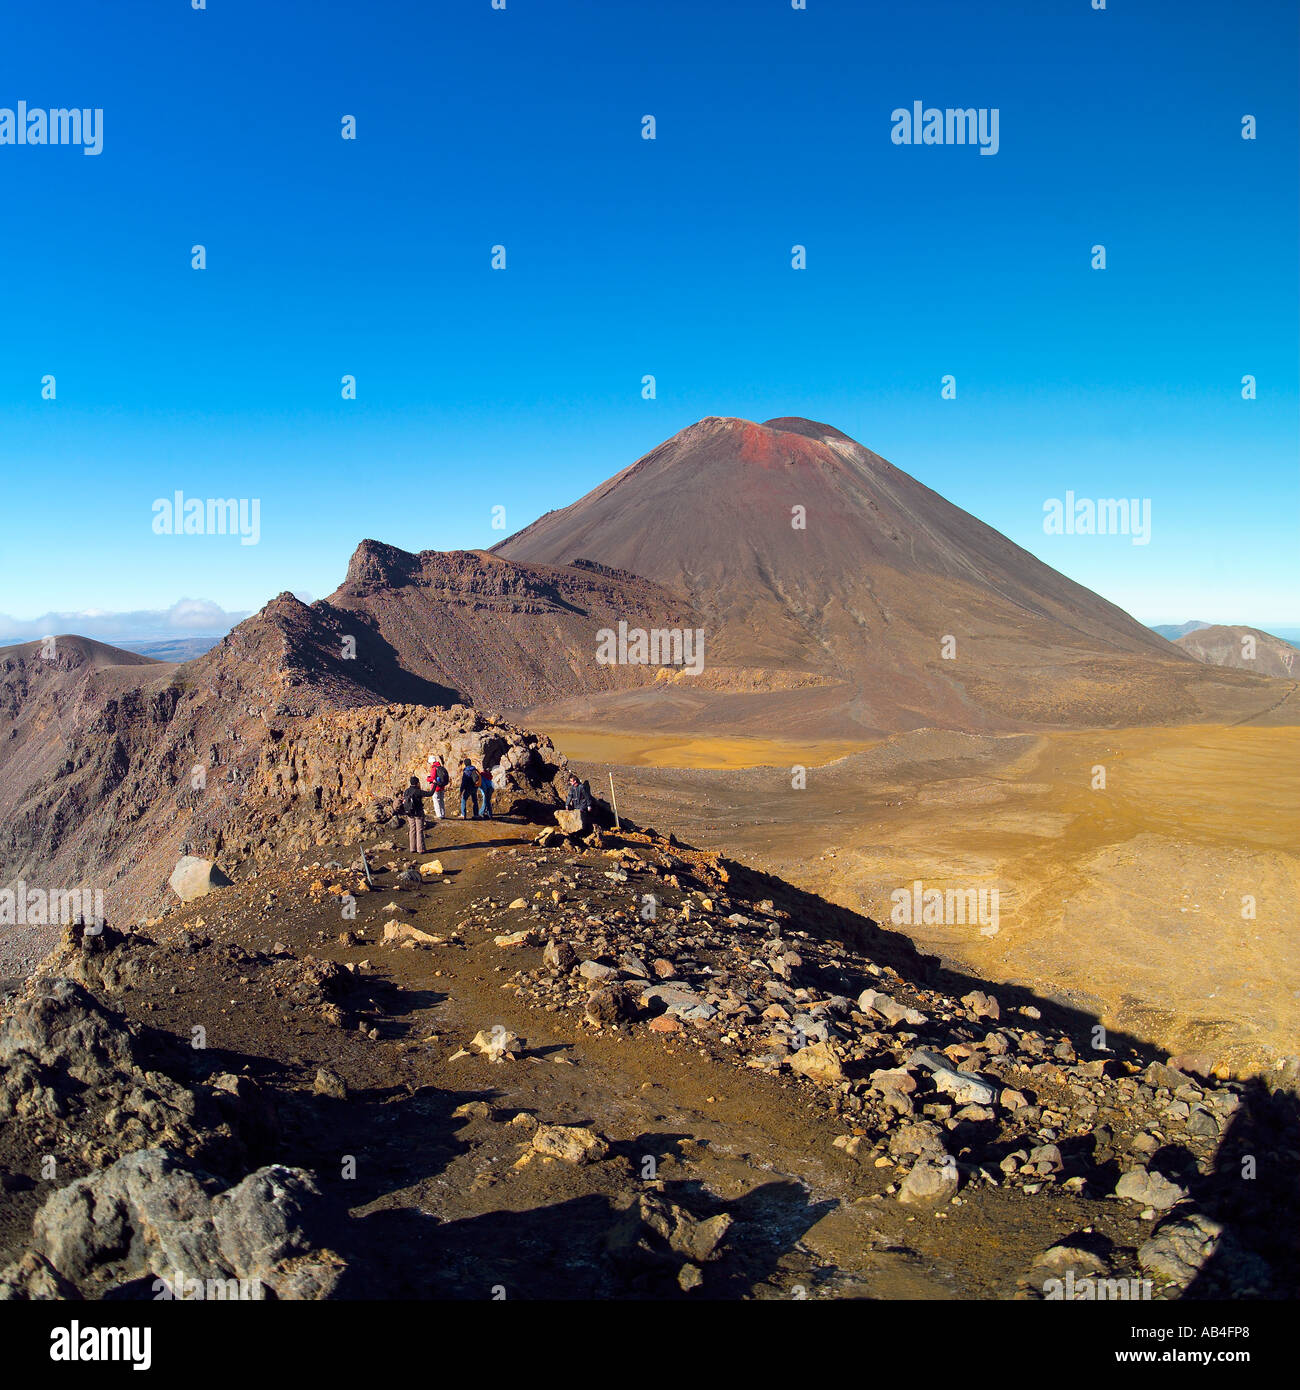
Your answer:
<point x="331" y="778"/>
<point x="112" y="765"/>
<point x="110" y="774"/>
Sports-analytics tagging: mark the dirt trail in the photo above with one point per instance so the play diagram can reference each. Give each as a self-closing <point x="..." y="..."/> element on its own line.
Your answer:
<point x="750" y="1144"/>
<point x="443" y="1206"/>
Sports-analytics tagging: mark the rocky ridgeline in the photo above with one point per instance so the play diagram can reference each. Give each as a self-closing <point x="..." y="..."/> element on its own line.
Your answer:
<point x="331" y="778"/>
<point x="112" y="771"/>
<point x="953" y="1095"/>
<point x="932" y="1093"/>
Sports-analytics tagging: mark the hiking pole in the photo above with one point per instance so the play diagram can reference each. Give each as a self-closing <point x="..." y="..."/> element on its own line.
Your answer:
<point x="365" y="864"/>
<point x="614" y="802"/>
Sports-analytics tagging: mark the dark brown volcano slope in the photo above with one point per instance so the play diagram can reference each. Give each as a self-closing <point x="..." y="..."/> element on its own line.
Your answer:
<point x="472" y="625"/>
<point x="865" y="594"/>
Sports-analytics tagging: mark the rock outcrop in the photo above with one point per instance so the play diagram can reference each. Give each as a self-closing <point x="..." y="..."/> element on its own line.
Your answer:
<point x="151" y="1220"/>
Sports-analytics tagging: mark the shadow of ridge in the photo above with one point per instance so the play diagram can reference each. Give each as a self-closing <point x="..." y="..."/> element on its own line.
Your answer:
<point x="592" y="1246"/>
<point x="1255" y="1221"/>
<point x="382" y="667"/>
<point x="397" y="1136"/>
<point x="812" y="913"/>
<point x="1252" y="1200"/>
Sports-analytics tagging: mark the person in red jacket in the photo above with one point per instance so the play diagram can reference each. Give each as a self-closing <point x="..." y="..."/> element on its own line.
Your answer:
<point x="438" y="780"/>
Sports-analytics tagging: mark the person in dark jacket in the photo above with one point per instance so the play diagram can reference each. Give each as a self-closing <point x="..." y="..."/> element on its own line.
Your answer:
<point x="411" y="805"/>
<point x="573" y="796"/>
<point x="469" y="781"/>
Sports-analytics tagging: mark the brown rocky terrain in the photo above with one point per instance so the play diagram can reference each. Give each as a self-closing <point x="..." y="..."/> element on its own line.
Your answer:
<point x="1164" y="903"/>
<point x="615" y="1065"/>
<point x="501" y="1071"/>
<point x="110" y="764"/>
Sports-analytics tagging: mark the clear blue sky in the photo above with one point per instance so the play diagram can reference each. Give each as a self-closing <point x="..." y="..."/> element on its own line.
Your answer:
<point x="626" y="257"/>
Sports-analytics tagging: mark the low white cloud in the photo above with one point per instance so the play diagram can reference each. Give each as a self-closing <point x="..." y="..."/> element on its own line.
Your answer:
<point x="187" y="617"/>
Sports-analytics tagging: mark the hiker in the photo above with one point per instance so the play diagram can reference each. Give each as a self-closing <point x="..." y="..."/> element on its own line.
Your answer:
<point x="411" y="805"/>
<point x="578" y="798"/>
<point x="485" y="790"/>
<point x="438" y="779"/>
<point x="469" y="782"/>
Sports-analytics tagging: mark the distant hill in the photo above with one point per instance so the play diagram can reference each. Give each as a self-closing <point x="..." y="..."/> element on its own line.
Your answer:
<point x="1244" y="649"/>
<point x="172" y="648"/>
<point x="68" y="653"/>
<point x="1174" y="631"/>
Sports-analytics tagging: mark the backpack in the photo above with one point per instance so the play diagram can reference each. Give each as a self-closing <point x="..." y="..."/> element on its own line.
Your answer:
<point x="440" y="778"/>
<point x="585" y="800"/>
<point x="411" y="802"/>
<point x="474" y="777"/>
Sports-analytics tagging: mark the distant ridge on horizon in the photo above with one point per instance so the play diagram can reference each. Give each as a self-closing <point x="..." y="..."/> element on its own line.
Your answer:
<point x="1173" y="631"/>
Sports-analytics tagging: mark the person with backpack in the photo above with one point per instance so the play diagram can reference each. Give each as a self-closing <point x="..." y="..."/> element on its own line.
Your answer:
<point x="572" y="793"/>
<point x="469" y="781"/>
<point x="438" y="779"/>
<point x="485" y="790"/>
<point x="411" y="805"/>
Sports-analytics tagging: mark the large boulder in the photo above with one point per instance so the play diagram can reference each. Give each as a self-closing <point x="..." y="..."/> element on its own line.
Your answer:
<point x="1148" y="1188"/>
<point x="818" y="1062"/>
<point x="59" y="1024"/>
<point x="572" y="1143"/>
<point x="681" y="1001"/>
<point x="151" y="1217"/>
<point x="1195" y="1248"/>
<point x="66" y="1057"/>
<point x="195" y="878"/>
<point x="609" y="1005"/>
<point x="929" y="1183"/>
